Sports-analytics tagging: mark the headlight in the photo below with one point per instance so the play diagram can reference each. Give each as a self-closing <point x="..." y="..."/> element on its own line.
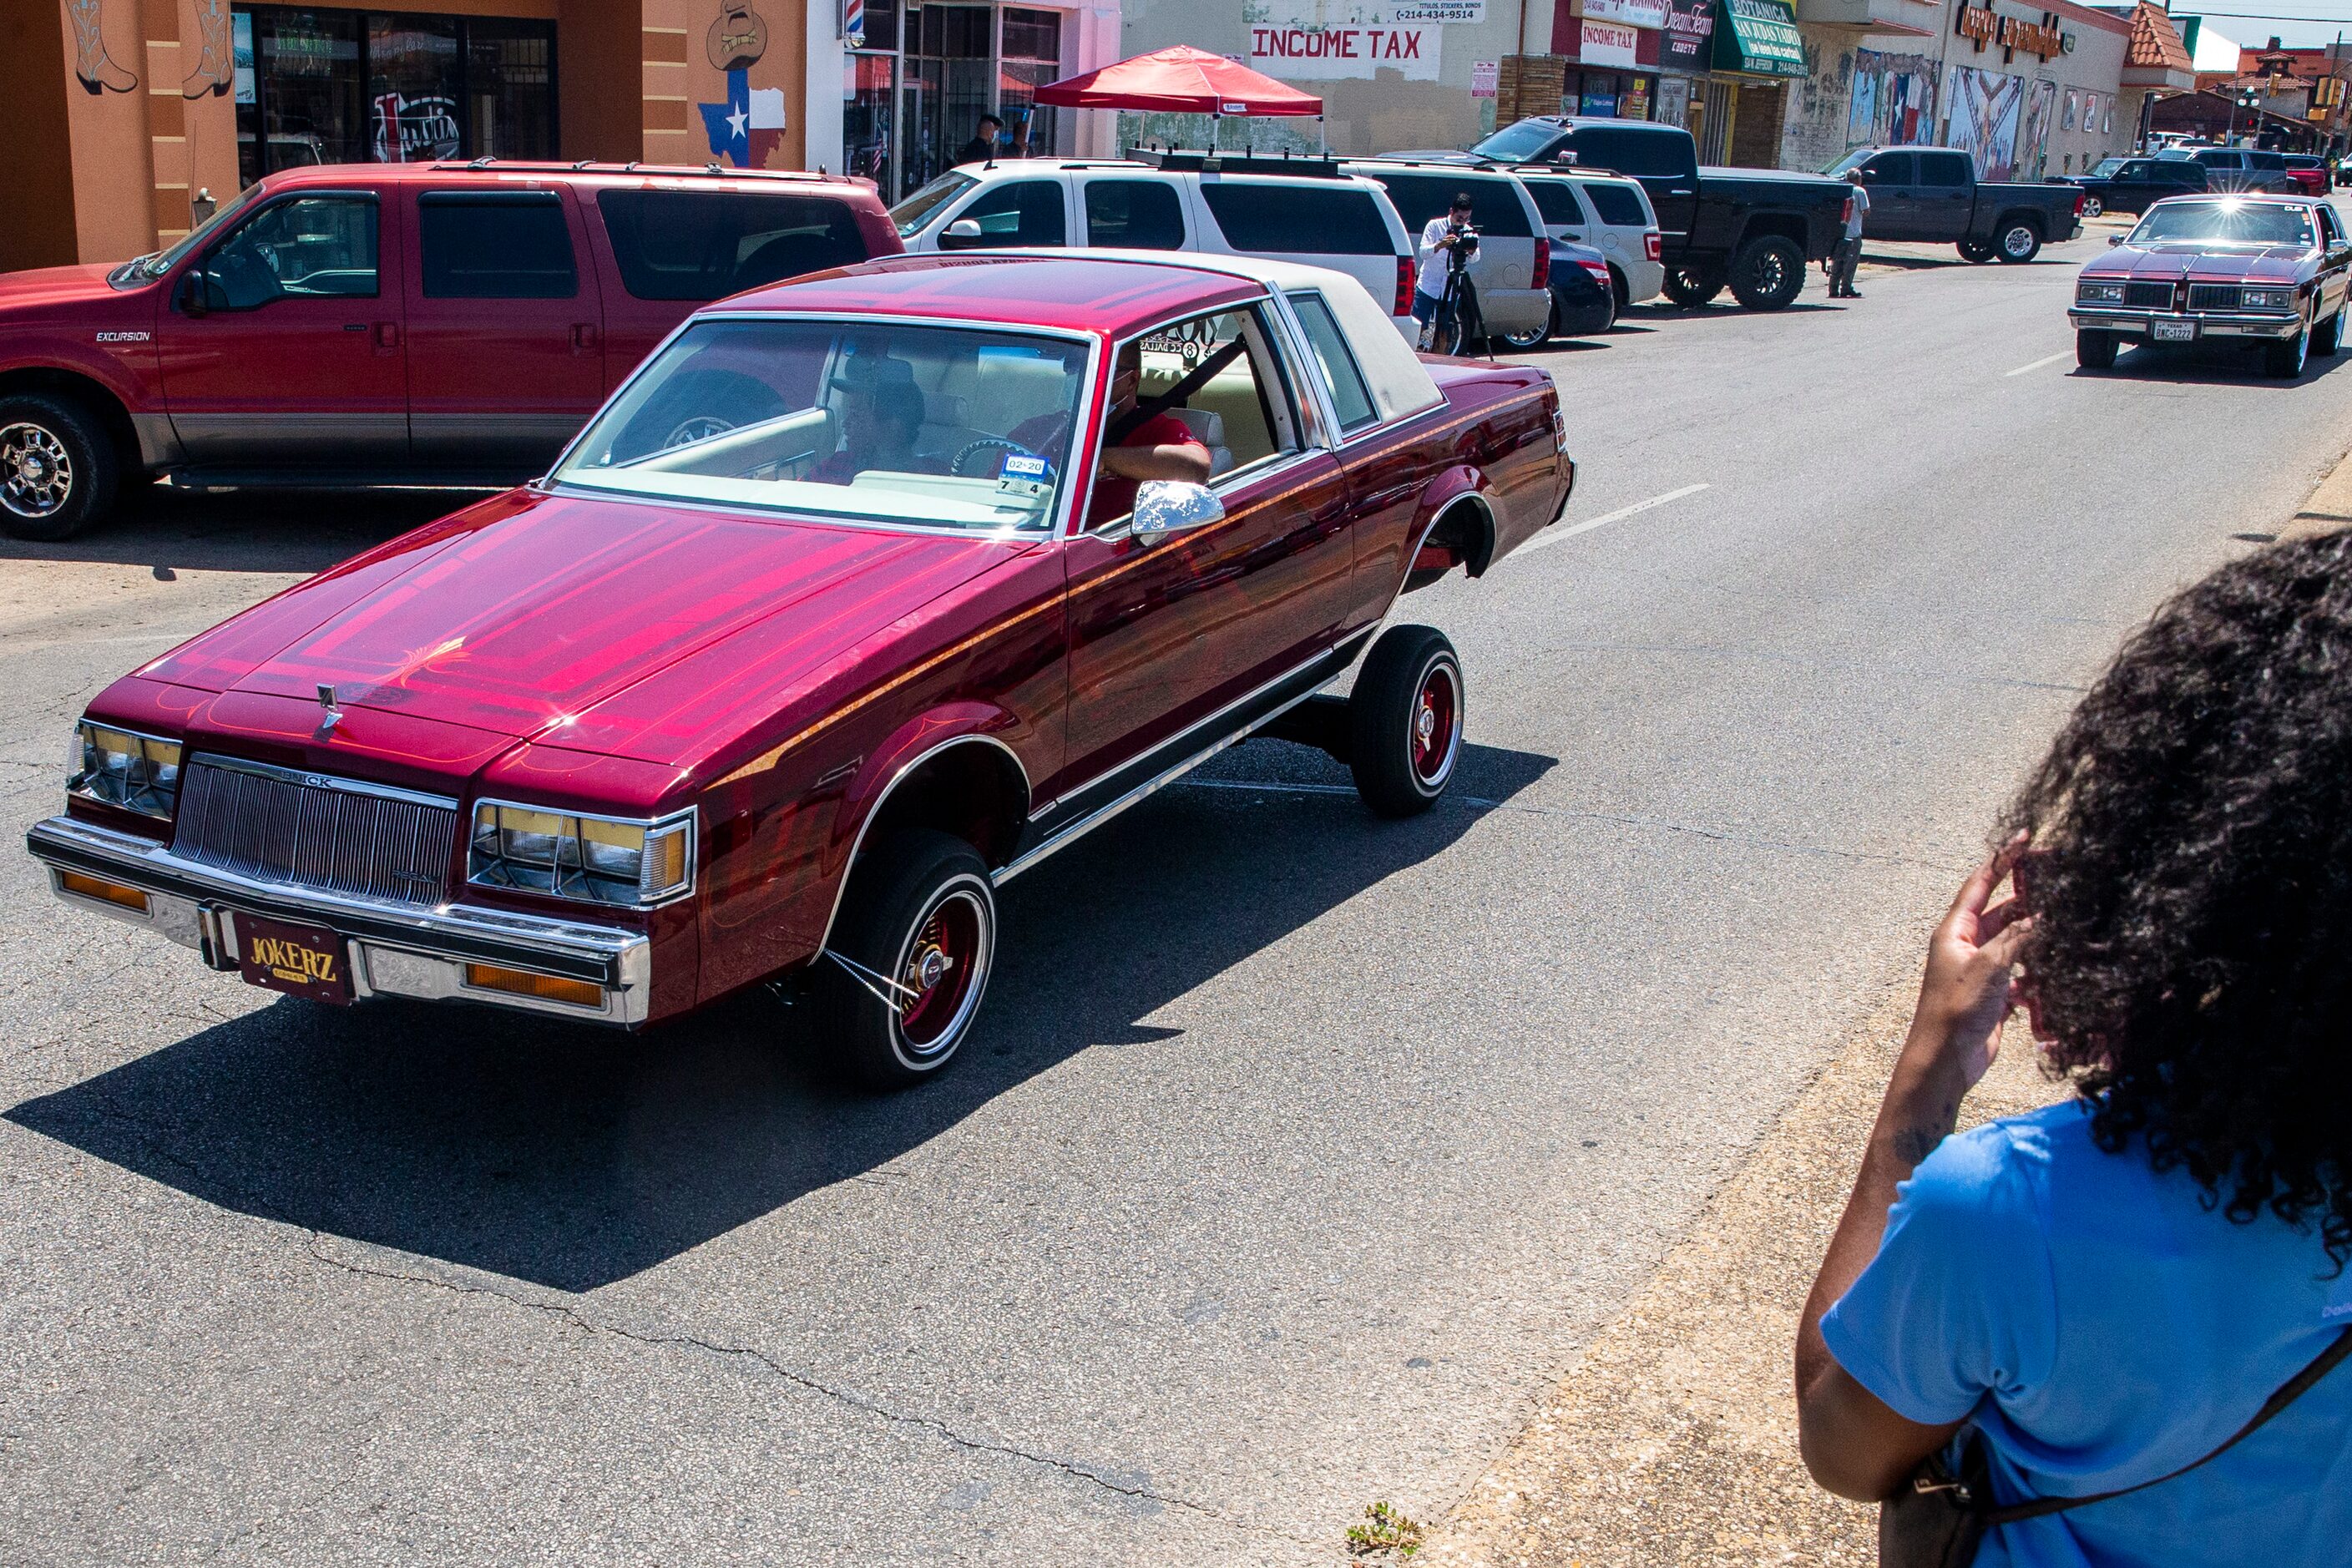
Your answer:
<point x="2100" y="293"/>
<point x="125" y="769"/>
<point x="2266" y="299"/>
<point x="599" y="859"/>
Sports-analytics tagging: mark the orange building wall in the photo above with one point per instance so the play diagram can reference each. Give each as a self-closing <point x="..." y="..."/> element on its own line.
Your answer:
<point x="39" y="230"/>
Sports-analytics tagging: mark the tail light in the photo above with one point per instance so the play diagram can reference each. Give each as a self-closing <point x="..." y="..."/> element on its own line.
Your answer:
<point x="2079" y="198"/>
<point x="1845" y="212"/>
<point x="1405" y="287"/>
<point x="1653" y="246"/>
<point x="1543" y="264"/>
<point x="1600" y="270"/>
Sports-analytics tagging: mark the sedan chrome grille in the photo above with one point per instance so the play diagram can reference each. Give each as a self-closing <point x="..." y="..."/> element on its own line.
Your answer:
<point x="307" y="830"/>
<point x="2148" y="295"/>
<point x="2213" y="296"/>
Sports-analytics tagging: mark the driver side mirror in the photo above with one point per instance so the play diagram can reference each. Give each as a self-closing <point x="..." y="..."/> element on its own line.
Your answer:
<point x="2115" y="239"/>
<point x="963" y="232"/>
<point x="191" y="301"/>
<point x="1163" y="507"/>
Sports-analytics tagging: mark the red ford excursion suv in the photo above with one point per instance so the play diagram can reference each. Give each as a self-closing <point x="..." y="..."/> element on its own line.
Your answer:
<point x="370" y="323"/>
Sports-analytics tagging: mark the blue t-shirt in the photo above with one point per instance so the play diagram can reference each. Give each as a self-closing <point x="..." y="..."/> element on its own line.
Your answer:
<point x="2102" y="1327"/>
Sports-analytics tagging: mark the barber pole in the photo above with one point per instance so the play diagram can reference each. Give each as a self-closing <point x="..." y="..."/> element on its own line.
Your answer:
<point x="853" y="23"/>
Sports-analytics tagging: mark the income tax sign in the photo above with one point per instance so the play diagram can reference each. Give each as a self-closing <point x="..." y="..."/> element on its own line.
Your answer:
<point x="1323" y="40"/>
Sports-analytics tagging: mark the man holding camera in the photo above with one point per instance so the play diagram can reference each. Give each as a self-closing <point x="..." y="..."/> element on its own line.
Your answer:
<point x="1439" y="239"/>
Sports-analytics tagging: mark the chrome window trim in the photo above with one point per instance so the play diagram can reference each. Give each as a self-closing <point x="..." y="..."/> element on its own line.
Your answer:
<point x="651" y="824"/>
<point x="899" y="777"/>
<point x="1052" y="527"/>
<point x="304" y="778"/>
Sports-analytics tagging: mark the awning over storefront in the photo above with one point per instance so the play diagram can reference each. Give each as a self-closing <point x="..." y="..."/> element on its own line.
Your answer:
<point x="1759" y="37"/>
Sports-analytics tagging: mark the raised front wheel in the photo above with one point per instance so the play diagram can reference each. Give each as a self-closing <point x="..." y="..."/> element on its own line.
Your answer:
<point x="1404" y="721"/>
<point x="1767" y="274"/>
<point x="902" y="978"/>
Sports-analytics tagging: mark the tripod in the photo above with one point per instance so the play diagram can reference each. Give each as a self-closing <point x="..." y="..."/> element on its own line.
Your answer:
<point x="1456" y="321"/>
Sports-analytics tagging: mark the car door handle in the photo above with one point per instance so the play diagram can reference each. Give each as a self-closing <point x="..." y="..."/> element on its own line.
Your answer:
<point x="584" y="337"/>
<point x="387" y="336"/>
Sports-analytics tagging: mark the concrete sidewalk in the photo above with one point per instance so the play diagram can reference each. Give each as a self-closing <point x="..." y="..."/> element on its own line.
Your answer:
<point x="1672" y="1440"/>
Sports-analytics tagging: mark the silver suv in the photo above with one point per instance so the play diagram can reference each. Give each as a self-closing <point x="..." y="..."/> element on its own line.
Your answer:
<point x="1513" y="295"/>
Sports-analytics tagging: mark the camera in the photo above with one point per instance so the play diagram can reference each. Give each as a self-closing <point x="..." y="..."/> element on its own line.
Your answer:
<point x="1465" y="243"/>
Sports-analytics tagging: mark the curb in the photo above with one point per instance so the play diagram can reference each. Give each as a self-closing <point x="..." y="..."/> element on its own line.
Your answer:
<point x="2328" y="506"/>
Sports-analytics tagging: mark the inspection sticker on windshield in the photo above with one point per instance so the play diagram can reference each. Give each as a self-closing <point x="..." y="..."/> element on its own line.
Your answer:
<point x="1022" y="474"/>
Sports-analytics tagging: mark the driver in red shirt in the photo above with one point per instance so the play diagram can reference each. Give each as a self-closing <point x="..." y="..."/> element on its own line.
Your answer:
<point x="1160" y="447"/>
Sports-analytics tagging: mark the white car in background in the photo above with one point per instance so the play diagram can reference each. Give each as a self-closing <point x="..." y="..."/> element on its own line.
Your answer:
<point x="1283" y="209"/>
<point x="1513" y="269"/>
<point x="1613" y="215"/>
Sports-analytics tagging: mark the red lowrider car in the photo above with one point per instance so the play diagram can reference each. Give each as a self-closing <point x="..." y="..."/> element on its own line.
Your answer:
<point x="2265" y="272"/>
<point x="822" y="630"/>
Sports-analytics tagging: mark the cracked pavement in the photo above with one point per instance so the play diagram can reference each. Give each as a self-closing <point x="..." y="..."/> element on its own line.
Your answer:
<point x="1299" y="1154"/>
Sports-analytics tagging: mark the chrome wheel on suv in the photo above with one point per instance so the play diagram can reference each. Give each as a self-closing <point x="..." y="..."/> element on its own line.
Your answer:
<point x="58" y="467"/>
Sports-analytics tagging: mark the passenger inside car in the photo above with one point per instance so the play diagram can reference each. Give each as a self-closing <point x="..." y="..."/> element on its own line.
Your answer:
<point x="881" y="412"/>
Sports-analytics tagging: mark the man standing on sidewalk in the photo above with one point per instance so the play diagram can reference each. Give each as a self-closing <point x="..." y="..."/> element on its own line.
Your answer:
<point x="1848" y="254"/>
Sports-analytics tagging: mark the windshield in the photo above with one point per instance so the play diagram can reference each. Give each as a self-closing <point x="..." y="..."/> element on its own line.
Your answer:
<point x="2225" y="223"/>
<point x="933" y="427"/>
<point x="1852" y="159"/>
<point x="1519" y="144"/>
<point x="909" y="214"/>
<point x="145" y="268"/>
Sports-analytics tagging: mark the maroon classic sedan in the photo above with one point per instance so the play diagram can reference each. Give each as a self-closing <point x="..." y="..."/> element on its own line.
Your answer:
<point x="821" y="631"/>
<point x="2268" y="271"/>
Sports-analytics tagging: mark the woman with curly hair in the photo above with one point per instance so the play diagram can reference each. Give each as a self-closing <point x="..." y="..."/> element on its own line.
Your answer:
<point x="2096" y="1295"/>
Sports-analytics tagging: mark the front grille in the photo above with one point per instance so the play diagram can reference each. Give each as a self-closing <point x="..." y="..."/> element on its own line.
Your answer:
<point x="278" y="826"/>
<point x="2213" y="296"/>
<point x="2148" y="295"/>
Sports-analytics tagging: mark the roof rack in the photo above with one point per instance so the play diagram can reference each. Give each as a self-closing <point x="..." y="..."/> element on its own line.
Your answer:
<point x="1176" y="159"/>
<point x="595" y="167"/>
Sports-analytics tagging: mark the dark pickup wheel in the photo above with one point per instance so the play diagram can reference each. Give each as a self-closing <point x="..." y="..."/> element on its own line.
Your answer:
<point x="1769" y="273"/>
<point x="2094" y="351"/>
<point x="1975" y="250"/>
<point x="2092" y="206"/>
<point x="1692" y="287"/>
<point x="901" y="978"/>
<point x="2018" y="242"/>
<point x="58" y="467"/>
<point x="1404" y="721"/>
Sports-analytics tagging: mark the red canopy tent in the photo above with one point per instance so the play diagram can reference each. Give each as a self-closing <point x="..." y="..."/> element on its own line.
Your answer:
<point x="1179" y="79"/>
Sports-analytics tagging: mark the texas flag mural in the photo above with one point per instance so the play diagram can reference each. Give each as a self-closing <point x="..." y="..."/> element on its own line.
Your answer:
<point x="749" y="126"/>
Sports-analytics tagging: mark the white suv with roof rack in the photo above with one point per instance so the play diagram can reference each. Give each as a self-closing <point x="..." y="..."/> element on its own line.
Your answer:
<point x="1286" y="209"/>
<point x="1512" y="271"/>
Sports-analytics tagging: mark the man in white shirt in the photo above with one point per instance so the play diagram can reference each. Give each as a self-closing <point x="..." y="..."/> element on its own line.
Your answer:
<point x="1436" y="253"/>
<point x="1849" y="250"/>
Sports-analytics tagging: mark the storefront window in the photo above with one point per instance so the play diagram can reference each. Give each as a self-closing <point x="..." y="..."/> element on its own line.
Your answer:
<point x="1033" y="56"/>
<point x="868" y="84"/>
<point x="344" y="87"/>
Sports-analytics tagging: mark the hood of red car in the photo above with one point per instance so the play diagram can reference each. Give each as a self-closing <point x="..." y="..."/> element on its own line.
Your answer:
<point x="45" y="286"/>
<point x="523" y="612"/>
<point x="2190" y="260"/>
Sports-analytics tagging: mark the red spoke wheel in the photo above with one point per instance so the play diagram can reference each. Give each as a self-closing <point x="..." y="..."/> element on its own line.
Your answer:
<point x="903" y="973"/>
<point x="1404" y="721"/>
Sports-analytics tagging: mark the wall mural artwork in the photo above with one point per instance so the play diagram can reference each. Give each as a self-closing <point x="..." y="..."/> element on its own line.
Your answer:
<point x="1894" y="98"/>
<point x="2033" y="137"/>
<point x="93" y="67"/>
<point x="213" y="61"/>
<point x="1985" y="108"/>
<point x="751" y="124"/>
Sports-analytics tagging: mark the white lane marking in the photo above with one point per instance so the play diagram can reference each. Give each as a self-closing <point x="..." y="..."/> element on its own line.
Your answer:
<point x="1556" y="536"/>
<point x="2037" y="365"/>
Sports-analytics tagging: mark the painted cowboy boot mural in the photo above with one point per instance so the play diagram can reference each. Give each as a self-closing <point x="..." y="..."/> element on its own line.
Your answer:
<point x="93" y="66"/>
<point x="213" y="65"/>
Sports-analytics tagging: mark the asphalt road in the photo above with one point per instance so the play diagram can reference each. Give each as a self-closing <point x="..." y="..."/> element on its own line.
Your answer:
<point x="1297" y="1150"/>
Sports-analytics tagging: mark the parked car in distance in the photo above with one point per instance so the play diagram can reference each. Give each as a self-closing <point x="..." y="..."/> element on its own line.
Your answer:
<point x="1932" y="194"/>
<point x="1583" y="291"/>
<point x="1511" y="271"/>
<point x="827" y="627"/>
<point x="2265" y="272"/>
<point x="1286" y="209"/>
<point x="2240" y="169"/>
<point x="384" y="323"/>
<point x="1753" y="230"/>
<point x="2310" y="172"/>
<point x="1609" y="213"/>
<point x="2135" y="184"/>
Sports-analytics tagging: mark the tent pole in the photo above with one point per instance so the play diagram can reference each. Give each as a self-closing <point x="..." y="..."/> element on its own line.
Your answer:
<point x="1216" y="124"/>
<point x="1322" y="143"/>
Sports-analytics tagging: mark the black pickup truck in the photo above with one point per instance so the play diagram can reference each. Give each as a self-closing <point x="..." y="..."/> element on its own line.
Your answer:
<point x="1754" y="229"/>
<point x="1933" y="193"/>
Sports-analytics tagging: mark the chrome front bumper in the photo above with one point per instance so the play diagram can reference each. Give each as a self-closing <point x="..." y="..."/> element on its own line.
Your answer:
<point x="2209" y="324"/>
<point x="397" y="950"/>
